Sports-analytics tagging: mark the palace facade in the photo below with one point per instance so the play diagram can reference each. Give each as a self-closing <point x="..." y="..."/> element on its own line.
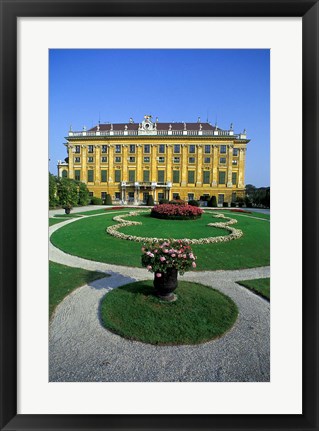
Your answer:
<point x="131" y="160"/>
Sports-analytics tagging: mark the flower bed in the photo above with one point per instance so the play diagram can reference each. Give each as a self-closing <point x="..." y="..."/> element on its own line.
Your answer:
<point x="240" y="211"/>
<point x="176" y="212"/>
<point x="114" y="208"/>
<point x="234" y="233"/>
<point x="159" y="256"/>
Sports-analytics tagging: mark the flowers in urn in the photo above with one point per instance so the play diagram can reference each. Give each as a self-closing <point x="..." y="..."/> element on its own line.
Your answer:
<point x="158" y="257"/>
<point x="166" y="259"/>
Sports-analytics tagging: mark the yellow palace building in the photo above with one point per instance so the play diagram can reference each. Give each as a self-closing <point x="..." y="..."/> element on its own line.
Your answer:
<point x="131" y="160"/>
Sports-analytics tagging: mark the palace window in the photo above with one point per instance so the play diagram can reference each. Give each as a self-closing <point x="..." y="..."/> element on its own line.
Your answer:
<point x="117" y="196"/>
<point x="222" y="160"/>
<point x="146" y="176"/>
<point x="90" y="148"/>
<point x="175" y="176"/>
<point x="77" y="148"/>
<point x="132" y="148"/>
<point x="146" y="159"/>
<point x="160" y="176"/>
<point x="206" y="159"/>
<point x="160" y="196"/>
<point x="117" y="149"/>
<point x="220" y="199"/>
<point x="104" y="159"/>
<point x="147" y="149"/>
<point x="206" y="177"/>
<point x="103" y="196"/>
<point x="176" y="196"/>
<point x="103" y="175"/>
<point x="235" y="162"/>
<point x="190" y="196"/>
<point x="176" y="159"/>
<point x="64" y="174"/>
<point x="118" y="159"/>
<point x="104" y="149"/>
<point x="234" y="178"/>
<point x="222" y="149"/>
<point x="131" y="176"/>
<point x="161" y="148"/>
<point x="222" y="177"/>
<point x="77" y="175"/>
<point x="192" y="149"/>
<point x="191" y="159"/>
<point x="191" y="177"/>
<point x="131" y="159"/>
<point x="235" y="152"/>
<point x="161" y="159"/>
<point x="207" y="149"/>
<point x="177" y="149"/>
<point x="90" y="176"/>
<point x="117" y="175"/>
<point x="77" y="159"/>
<point x="90" y="159"/>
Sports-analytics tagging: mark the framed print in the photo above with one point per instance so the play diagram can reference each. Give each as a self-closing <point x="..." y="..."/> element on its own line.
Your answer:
<point x="86" y="81"/>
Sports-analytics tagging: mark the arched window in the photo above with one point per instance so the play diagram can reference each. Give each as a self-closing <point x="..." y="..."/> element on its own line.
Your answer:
<point x="64" y="173"/>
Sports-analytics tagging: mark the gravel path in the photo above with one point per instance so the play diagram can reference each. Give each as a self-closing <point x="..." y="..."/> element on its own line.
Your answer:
<point x="81" y="350"/>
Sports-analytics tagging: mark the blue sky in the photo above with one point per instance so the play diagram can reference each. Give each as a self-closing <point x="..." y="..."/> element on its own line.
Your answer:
<point x="227" y="86"/>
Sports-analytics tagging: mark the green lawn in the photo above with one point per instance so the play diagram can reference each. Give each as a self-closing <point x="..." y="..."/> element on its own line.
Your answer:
<point x="53" y="221"/>
<point x="63" y="279"/>
<point x="261" y="286"/>
<point x="87" y="238"/>
<point x="199" y="314"/>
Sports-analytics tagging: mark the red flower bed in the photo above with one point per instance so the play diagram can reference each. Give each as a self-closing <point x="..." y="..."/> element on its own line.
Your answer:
<point x="177" y="212"/>
<point x="114" y="208"/>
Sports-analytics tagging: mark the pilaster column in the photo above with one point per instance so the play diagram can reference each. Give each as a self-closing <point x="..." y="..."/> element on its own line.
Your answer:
<point x="215" y="165"/>
<point x="139" y="174"/>
<point x="199" y="165"/>
<point x="97" y="164"/>
<point x="83" y="164"/>
<point x="230" y="166"/>
<point x="111" y="164"/>
<point x="124" y="163"/>
<point x="241" y="168"/>
<point x="153" y="163"/>
<point x="169" y="155"/>
<point x="71" y="161"/>
<point x="184" y="162"/>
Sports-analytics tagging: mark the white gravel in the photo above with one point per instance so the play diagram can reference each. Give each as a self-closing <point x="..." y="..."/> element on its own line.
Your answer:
<point x="81" y="350"/>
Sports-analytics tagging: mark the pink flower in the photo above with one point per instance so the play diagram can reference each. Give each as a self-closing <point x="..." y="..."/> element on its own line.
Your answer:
<point x="193" y="264"/>
<point x="155" y="251"/>
<point x="149" y="267"/>
<point x="184" y="256"/>
<point x="191" y="255"/>
<point x="173" y="255"/>
<point x="165" y="250"/>
<point x="162" y="259"/>
<point x="158" y="274"/>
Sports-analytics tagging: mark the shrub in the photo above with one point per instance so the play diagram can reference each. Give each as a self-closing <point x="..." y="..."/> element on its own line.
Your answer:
<point x="177" y="202"/>
<point x="193" y="203"/>
<point x="150" y="201"/>
<point x="96" y="201"/>
<point x="160" y="256"/>
<point x="212" y="202"/>
<point x="108" y="199"/>
<point x="233" y="204"/>
<point x="225" y="204"/>
<point x="163" y="201"/>
<point x="176" y="212"/>
<point x="67" y="191"/>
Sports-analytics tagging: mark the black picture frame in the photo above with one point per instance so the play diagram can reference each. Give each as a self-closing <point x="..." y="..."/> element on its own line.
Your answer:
<point x="10" y="11"/>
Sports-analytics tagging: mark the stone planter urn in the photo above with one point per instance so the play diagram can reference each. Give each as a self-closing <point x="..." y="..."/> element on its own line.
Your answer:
<point x="67" y="210"/>
<point x="166" y="284"/>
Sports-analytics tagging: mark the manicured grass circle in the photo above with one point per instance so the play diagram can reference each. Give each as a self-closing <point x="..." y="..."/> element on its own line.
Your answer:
<point x="200" y="314"/>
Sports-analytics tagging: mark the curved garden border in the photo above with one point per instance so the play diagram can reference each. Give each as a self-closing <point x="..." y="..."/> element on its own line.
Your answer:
<point x="235" y="233"/>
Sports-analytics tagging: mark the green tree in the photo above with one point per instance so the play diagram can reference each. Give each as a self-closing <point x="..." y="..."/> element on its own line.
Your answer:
<point x="212" y="202"/>
<point x="84" y="196"/>
<point x="108" y="200"/>
<point x="67" y="192"/>
<point x="150" y="201"/>
<point x="53" y="198"/>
